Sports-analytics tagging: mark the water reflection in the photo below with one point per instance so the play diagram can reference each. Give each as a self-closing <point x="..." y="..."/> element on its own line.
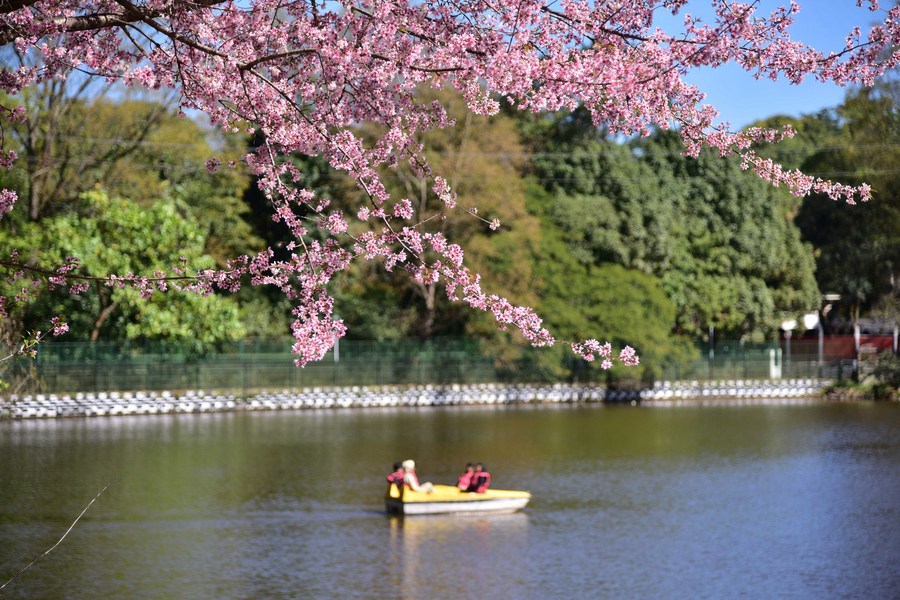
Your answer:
<point x="486" y="551"/>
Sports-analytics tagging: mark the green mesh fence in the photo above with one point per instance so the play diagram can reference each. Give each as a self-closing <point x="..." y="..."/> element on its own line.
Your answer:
<point x="734" y="360"/>
<point x="73" y="366"/>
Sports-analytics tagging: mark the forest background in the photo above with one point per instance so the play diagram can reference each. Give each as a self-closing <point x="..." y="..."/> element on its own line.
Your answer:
<point x="623" y="237"/>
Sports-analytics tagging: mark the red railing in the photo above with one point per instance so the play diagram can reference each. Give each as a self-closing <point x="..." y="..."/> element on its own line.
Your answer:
<point x="836" y="347"/>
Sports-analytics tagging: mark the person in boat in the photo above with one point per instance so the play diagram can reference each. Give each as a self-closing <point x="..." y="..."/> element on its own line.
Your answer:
<point x="465" y="480"/>
<point x="481" y="480"/>
<point x="396" y="477"/>
<point x="412" y="480"/>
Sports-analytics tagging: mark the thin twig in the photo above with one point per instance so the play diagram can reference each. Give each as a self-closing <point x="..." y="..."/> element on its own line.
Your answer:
<point x="72" y="526"/>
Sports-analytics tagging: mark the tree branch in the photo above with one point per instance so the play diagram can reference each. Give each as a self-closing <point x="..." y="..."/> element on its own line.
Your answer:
<point x="48" y="273"/>
<point x="53" y="547"/>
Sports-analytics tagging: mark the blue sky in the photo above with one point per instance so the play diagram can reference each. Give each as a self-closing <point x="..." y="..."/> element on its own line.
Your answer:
<point x="741" y="99"/>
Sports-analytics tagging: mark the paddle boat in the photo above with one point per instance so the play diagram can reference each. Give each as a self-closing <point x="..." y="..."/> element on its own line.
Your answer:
<point x="449" y="499"/>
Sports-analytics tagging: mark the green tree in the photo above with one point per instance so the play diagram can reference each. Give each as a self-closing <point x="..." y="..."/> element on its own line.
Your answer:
<point x="859" y="246"/>
<point x="116" y="235"/>
<point x="480" y="158"/>
<point x="134" y="148"/>
<point x="739" y="263"/>
<point x="76" y="139"/>
<point x="721" y="242"/>
<point x="611" y="206"/>
<point x="171" y="163"/>
<point x="625" y="306"/>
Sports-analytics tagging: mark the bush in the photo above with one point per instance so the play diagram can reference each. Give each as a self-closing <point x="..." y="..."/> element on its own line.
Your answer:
<point x="887" y="377"/>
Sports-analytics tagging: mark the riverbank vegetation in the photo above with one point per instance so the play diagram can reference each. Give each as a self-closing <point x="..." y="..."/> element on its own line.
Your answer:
<point x="879" y="382"/>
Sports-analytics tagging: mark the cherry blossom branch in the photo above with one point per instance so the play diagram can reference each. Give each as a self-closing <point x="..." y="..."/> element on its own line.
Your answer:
<point x="306" y="77"/>
<point x="20" y="266"/>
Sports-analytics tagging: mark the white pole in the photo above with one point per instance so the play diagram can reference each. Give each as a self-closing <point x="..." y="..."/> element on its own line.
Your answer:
<point x="787" y="346"/>
<point x="821" y="343"/>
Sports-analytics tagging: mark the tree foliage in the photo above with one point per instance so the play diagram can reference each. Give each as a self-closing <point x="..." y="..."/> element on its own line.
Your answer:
<point x="481" y="158"/>
<point x="133" y="148"/>
<point x="72" y="138"/>
<point x="578" y="295"/>
<point x="116" y="235"/>
<point x="859" y="253"/>
<point x="721" y="243"/>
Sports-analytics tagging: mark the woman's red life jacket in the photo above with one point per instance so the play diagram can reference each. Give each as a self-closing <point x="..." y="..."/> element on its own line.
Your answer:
<point x="465" y="480"/>
<point x="482" y="481"/>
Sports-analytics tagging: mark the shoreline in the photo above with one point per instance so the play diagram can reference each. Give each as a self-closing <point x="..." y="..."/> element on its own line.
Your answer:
<point x="663" y="394"/>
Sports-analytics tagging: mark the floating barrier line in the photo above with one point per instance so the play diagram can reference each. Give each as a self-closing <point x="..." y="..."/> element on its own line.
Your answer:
<point x="107" y="404"/>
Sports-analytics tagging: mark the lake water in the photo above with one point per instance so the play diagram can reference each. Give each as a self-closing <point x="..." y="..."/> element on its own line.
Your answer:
<point x="629" y="502"/>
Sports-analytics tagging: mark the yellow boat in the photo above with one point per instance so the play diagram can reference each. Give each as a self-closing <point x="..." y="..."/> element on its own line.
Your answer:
<point x="449" y="499"/>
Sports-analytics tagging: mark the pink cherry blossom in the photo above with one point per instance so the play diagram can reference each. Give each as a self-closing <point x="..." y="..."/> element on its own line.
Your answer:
<point x="59" y="327"/>
<point x="7" y="201"/>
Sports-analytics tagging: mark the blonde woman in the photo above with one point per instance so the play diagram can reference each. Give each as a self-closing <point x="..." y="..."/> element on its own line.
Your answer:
<point x="412" y="480"/>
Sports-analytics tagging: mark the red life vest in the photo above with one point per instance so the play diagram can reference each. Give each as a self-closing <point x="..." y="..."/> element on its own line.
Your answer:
<point x="481" y="481"/>
<point x="465" y="480"/>
<point x="396" y="478"/>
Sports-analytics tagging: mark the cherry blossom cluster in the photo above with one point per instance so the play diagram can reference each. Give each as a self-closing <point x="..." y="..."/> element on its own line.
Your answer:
<point x="7" y="200"/>
<point x="591" y="349"/>
<point x="306" y="74"/>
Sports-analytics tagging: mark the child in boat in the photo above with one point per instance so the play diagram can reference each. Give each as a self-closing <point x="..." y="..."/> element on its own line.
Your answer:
<point x="412" y="480"/>
<point x="465" y="480"/>
<point x="481" y="480"/>
<point x="396" y="477"/>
